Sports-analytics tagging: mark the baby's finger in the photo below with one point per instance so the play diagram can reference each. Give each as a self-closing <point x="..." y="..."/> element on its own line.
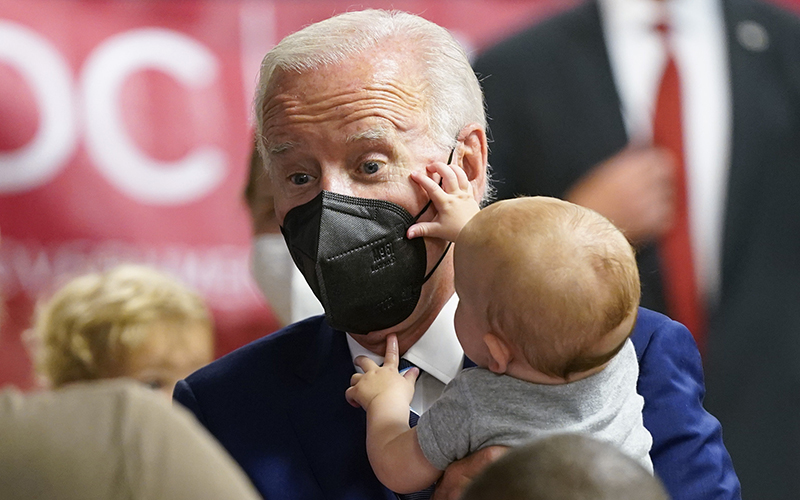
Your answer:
<point x="430" y="186"/>
<point x="355" y="378"/>
<point x="350" y="395"/>
<point x="423" y="229"/>
<point x="441" y="194"/>
<point x="454" y="179"/>
<point x="450" y="182"/>
<point x="365" y="363"/>
<point x="411" y="374"/>
<point x="433" y="174"/>
<point x="463" y="180"/>
<point x="392" y="356"/>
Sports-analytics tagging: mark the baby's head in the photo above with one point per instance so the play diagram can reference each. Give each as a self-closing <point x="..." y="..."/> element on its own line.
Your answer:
<point x="130" y="321"/>
<point x="544" y="281"/>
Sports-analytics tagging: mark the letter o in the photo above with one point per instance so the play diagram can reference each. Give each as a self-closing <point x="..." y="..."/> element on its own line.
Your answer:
<point x="50" y="78"/>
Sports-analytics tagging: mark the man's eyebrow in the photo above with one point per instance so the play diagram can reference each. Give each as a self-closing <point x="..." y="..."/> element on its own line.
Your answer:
<point x="373" y="134"/>
<point x="276" y="149"/>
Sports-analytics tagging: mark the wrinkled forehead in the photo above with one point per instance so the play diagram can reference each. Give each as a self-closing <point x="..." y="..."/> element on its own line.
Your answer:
<point x="386" y="86"/>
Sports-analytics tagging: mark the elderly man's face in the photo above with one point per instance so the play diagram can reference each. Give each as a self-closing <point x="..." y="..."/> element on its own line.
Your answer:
<point x="357" y="128"/>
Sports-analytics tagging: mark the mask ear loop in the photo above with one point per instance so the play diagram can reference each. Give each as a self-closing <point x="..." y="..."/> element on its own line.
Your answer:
<point x="449" y="159"/>
<point x="449" y="243"/>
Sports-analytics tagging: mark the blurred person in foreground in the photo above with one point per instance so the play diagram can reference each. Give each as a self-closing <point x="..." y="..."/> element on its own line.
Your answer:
<point x="679" y="120"/>
<point x="111" y="440"/>
<point x="129" y="321"/>
<point x="566" y="467"/>
<point x="346" y="110"/>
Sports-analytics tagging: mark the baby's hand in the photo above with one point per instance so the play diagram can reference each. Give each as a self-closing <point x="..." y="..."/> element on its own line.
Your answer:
<point x="382" y="382"/>
<point x="454" y="202"/>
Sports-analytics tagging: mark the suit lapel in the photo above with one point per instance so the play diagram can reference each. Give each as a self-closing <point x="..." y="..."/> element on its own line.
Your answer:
<point x="330" y="431"/>
<point x="606" y="134"/>
<point x="752" y="138"/>
<point x="591" y="67"/>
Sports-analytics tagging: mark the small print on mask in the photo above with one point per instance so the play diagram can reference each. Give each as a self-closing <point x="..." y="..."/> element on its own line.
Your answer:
<point x="355" y="256"/>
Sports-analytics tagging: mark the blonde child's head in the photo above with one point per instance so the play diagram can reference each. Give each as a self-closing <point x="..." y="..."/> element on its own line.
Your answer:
<point x="554" y="281"/>
<point x="131" y="321"/>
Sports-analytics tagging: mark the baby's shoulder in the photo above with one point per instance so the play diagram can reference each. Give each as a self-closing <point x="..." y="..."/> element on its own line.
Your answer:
<point x="478" y="380"/>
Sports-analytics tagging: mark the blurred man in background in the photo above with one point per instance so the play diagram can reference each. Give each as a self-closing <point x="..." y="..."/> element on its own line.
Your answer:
<point x="679" y="120"/>
<point x="277" y="277"/>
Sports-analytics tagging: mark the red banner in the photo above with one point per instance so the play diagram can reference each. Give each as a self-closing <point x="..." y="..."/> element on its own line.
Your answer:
<point x="124" y="136"/>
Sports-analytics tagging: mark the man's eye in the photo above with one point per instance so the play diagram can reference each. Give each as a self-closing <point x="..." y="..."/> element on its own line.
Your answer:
<point x="371" y="167"/>
<point x="299" y="179"/>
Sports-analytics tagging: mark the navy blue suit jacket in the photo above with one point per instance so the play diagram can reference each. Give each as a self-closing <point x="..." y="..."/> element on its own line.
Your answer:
<point x="278" y="406"/>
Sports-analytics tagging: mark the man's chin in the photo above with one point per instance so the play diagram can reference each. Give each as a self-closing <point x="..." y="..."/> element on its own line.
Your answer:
<point x="376" y="341"/>
<point x="413" y="327"/>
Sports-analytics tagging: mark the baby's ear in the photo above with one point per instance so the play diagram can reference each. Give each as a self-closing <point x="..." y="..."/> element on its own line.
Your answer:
<point x="499" y="353"/>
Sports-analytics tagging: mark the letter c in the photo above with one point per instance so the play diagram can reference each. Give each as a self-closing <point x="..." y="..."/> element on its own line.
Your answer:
<point x="117" y="157"/>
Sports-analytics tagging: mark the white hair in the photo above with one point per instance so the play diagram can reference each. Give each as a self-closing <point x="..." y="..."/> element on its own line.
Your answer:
<point x="454" y="98"/>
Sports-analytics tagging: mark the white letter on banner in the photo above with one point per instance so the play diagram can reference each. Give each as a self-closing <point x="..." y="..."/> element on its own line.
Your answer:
<point x="50" y="79"/>
<point x="118" y="158"/>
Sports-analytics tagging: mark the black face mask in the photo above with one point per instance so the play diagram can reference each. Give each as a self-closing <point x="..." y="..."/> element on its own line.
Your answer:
<point x="355" y="256"/>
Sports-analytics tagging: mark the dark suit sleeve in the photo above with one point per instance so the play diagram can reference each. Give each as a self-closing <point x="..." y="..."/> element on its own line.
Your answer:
<point x="277" y="406"/>
<point x="688" y="453"/>
<point x="183" y="394"/>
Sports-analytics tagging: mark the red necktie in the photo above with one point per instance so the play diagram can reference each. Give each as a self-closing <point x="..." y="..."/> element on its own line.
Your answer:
<point x="680" y="287"/>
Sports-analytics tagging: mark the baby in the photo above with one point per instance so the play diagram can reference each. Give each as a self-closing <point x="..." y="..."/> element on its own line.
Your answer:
<point x="131" y="321"/>
<point x="548" y="295"/>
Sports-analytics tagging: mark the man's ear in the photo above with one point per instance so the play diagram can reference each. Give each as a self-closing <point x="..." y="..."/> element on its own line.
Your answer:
<point x="474" y="157"/>
<point x="499" y="353"/>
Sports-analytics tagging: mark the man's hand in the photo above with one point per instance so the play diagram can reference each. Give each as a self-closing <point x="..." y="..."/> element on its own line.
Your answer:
<point x="454" y="202"/>
<point x="459" y="474"/>
<point x="382" y="381"/>
<point x="634" y="189"/>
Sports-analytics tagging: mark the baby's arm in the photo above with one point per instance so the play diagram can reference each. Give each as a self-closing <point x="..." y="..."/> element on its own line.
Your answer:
<point x="454" y="202"/>
<point x="392" y="446"/>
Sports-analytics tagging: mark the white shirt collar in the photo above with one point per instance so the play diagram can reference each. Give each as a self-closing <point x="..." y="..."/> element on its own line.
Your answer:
<point x="437" y="352"/>
<point x="637" y="53"/>
<point x="681" y="14"/>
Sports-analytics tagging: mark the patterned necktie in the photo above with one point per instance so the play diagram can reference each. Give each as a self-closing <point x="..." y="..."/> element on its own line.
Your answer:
<point x="680" y="288"/>
<point x="412" y="421"/>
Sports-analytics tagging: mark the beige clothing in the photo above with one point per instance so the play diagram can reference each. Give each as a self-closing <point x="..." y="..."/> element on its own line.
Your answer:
<point x="110" y="440"/>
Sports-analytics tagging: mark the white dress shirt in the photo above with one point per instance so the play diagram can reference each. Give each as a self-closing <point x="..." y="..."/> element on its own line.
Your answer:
<point x="637" y="55"/>
<point x="437" y="353"/>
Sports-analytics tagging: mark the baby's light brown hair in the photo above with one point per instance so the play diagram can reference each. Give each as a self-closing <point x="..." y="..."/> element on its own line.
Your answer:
<point x="555" y="278"/>
<point x="95" y="320"/>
